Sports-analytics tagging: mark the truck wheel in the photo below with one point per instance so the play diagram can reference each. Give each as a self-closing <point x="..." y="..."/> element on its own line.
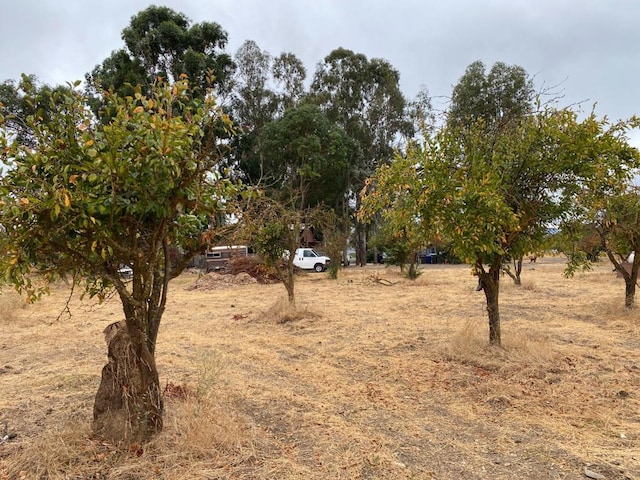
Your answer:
<point x="318" y="267"/>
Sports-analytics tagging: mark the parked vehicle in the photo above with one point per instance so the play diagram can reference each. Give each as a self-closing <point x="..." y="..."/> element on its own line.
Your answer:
<point x="309" y="259"/>
<point x="218" y="257"/>
<point x="126" y="272"/>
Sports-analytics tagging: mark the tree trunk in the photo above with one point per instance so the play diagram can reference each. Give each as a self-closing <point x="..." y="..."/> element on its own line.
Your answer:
<point x="128" y="405"/>
<point x="361" y="239"/>
<point x="289" y="285"/>
<point x="629" y="293"/>
<point x="517" y="268"/>
<point x="347" y="230"/>
<point x="287" y="275"/>
<point x="361" y="245"/>
<point x="630" y="277"/>
<point x="414" y="263"/>
<point x="490" y="283"/>
<point x="630" y="283"/>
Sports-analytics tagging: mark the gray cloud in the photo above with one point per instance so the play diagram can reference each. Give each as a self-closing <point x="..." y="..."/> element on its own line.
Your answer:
<point x="590" y="47"/>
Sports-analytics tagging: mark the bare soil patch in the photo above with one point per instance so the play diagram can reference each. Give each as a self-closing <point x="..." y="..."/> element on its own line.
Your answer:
<point x="364" y="380"/>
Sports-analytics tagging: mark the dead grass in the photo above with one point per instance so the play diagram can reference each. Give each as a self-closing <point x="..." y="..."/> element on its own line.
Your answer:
<point x="10" y="304"/>
<point x="364" y="379"/>
<point x="283" y="312"/>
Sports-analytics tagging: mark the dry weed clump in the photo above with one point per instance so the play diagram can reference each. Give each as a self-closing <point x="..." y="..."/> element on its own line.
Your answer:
<point x="467" y="343"/>
<point x="60" y="450"/>
<point x="10" y="303"/>
<point x="210" y="367"/>
<point x="615" y="313"/>
<point x="529" y="285"/>
<point x="203" y="428"/>
<point x="520" y="350"/>
<point x="283" y="312"/>
<point x="200" y="434"/>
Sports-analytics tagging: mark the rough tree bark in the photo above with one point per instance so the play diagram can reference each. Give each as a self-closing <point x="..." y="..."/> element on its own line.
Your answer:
<point x="629" y="294"/>
<point x="128" y="405"/>
<point x="361" y="245"/>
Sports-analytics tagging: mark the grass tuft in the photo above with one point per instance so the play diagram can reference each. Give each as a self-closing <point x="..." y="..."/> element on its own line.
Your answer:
<point x="10" y="303"/>
<point x="284" y="312"/>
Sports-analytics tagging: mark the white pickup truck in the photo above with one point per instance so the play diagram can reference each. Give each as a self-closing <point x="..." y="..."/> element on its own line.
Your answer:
<point x="309" y="259"/>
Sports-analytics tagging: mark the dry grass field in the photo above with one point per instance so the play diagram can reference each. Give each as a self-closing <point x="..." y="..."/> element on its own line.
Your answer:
<point x="363" y="381"/>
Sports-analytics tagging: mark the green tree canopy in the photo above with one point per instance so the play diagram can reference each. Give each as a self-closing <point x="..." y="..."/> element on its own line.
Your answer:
<point x="162" y="43"/>
<point x="307" y="156"/>
<point x="24" y="99"/>
<point x="498" y="97"/>
<point x="495" y="100"/>
<point x="264" y="87"/>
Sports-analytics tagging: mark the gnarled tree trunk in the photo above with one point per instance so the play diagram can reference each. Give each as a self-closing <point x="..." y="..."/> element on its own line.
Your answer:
<point x="128" y="405"/>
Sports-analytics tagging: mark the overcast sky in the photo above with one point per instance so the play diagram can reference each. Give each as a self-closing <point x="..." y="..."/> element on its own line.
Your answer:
<point x="591" y="48"/>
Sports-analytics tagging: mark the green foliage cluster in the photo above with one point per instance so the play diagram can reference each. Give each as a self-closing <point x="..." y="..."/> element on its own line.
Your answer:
<point x="84" y="197"/>
<point x="163" y="44"/>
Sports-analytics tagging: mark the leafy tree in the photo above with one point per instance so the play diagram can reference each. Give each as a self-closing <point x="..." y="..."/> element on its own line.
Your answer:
<point x="162" y="43"/>
<point x="364" y="97"/>
<point x="493" y="99"/>
<point x="620" y="233"/>
<point x="307" y="156"/>
<point x="606" y="199"/>
<point x="421" y="115"/>
<point x="498" y="97"/>
<point x="388" y="193"/>
<point x="85" y="198"/>
<point x="289" y="75"/>
<point x="401" y="249"/>
<point x="335" y="242"/>
<point x="491" y="197"/>
<point x="253" y="105"/>
<point x="253" y="102"/>
<point x="273" y="228"/>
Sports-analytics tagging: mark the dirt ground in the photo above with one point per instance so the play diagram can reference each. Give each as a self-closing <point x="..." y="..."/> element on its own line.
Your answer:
<point x="373" y="376"/>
